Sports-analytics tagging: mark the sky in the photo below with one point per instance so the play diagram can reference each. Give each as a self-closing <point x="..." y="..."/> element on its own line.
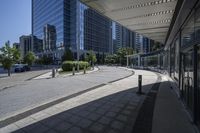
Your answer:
<point x="15" y="20"/>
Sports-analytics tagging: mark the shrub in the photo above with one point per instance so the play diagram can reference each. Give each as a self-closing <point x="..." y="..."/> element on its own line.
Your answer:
<point x="68" y="65"/>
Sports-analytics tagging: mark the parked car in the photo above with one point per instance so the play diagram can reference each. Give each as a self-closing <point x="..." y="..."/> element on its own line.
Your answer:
<point x="19" y="68"/>
<point x="27" y="68"/>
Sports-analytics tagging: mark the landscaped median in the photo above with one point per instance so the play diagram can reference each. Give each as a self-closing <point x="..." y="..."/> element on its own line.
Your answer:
<point x="67" y="69"/>
<point x="68" y="65"/>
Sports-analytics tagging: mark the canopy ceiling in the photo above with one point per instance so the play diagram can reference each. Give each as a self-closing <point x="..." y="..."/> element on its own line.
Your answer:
<point x="151" y="18"/>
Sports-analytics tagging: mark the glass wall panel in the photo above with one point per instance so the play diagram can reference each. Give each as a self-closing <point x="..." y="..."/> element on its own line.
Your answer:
<point x="188" y="33"/>
<point x="172" y="59"/>
<point x="198" y="86"/>
<point x="197" y="25"/>
<point x="177" y="59"/>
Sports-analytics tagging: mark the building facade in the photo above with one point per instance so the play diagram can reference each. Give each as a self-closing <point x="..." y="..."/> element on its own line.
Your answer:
<point x="122" y="37"/>
<point x="69" y="24"/>
<point x="25" y="45"/>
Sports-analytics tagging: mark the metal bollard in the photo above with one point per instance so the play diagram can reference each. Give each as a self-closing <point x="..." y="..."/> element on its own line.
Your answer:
<point x="73" y="71"/>
<point x="53" y="73"/>
<point x="84" y="72"/>
<point x="139" y="84"/>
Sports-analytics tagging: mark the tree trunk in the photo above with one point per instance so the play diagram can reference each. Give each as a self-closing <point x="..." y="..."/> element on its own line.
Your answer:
<point x="9" y="72"/>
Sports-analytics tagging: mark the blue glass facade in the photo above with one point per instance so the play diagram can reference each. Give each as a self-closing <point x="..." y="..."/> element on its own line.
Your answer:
<point x="75" y="24"/>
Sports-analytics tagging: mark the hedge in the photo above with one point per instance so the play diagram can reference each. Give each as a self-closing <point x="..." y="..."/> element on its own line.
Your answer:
<point x="68" y="65"/>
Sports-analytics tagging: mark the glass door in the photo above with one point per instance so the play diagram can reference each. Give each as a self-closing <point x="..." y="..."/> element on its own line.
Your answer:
<point x="187" y="78"/>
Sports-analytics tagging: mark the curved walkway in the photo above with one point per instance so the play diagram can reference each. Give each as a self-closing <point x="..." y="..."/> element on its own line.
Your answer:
<point x="33" y="93"/>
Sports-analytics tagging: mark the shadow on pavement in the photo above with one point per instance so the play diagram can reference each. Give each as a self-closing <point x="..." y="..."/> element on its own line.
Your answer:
<point x="112" y="113"/>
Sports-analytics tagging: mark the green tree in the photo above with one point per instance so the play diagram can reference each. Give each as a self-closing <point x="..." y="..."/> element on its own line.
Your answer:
<point x="123" y="52"/>
<point x="91" y="58"/>
<point x="29" y="58"/>
<point x="47" y="60"/>
<point x="9" y="56"/>
<point x="111" y="59"/>
<point x="68" y="56"/>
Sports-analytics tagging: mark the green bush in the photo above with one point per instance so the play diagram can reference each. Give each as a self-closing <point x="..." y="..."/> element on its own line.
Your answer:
<point x="68" y="65"/>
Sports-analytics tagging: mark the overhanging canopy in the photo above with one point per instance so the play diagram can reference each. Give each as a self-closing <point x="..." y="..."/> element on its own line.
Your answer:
<point x="150" y="18"/>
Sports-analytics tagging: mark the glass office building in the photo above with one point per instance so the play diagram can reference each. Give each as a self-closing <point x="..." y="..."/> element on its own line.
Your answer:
<point x="74" y="27"/>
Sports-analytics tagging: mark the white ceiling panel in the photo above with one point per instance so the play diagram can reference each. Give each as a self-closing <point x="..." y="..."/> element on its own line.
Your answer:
<point x="141" y="16"/>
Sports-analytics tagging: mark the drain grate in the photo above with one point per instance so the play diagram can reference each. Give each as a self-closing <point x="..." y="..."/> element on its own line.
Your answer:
<point x="144" y="119"/>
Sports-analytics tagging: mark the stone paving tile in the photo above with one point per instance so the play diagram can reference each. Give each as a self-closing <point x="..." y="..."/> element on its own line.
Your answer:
<point x="123" y="118"/>
<point x="126" y="112"/>
<point x="25" y="122"/>
<point x="84" y="123"/>
<point x="74" y="119"/>
<point x="100" y="111"/>
<point x="93" y="116"/>
<point x="117" y="125"/>
<point x="51" y="122"/>
<point x="9" y="128"/>
<point x="111" y="131"/>
<point x="39" y="116"/>
<point x="62" y="126"/>
<point x="111" y="114"/>
<point x="74" y="130"/>
<point x="83" y="113"/>
<point x="36" y="128"/>
<point x="64" y="115"/>
<point x="51" y="131"/>
<point x="105" y="120"/>
<point x="97" y="127"/>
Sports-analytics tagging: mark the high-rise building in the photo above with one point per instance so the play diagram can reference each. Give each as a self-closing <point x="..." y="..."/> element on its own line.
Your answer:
<point x="16" y="45"/>
<point x="25" y="45"/>
<point x="138" y="43"/>
<point x="71" y="25"/>
<point x="49" y="40"/>
<point x="122" y="37"/>
<point x="96" y="32"/>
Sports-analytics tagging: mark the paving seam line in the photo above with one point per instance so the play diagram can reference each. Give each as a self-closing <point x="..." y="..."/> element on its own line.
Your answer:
<point x="23" y="115"/>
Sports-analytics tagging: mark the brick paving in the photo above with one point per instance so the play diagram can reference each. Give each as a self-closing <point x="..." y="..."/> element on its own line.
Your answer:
<point x="109" y="109"/>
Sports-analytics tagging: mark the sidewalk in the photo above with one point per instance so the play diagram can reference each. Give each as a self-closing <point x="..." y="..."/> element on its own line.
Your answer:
<point x="111" y="109"/>
<point x="170" y="116"/>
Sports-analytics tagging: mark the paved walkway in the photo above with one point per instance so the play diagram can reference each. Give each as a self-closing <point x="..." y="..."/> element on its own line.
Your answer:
<point x="111" y="108"/>
<point x="34" y="93"/>
<point x="170" y="116"/>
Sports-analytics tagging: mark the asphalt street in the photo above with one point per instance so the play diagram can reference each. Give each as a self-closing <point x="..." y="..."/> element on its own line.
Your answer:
<point x="32" y="93"/>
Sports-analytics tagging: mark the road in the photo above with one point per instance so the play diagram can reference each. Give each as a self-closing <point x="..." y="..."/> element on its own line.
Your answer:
<point x="36" y="92"/>
<point x="18" y="78"/>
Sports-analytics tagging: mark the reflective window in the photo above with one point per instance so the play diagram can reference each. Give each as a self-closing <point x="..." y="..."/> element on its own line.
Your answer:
<point x="197" y="25"/>
<point x="188" y="33"/>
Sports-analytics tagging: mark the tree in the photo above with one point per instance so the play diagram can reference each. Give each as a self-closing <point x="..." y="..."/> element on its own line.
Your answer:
<point x="47" y="60"/>
<point x="8" y="56"/>
<point x="123" y="52"/>
<point x="29" y="58"/>
<point x="91" y="58"/>
<point x="68" y="56"/>
<point x="111" y="59"/>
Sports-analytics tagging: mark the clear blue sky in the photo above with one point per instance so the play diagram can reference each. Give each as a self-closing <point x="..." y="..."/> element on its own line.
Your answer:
<point x="15" y="20"/>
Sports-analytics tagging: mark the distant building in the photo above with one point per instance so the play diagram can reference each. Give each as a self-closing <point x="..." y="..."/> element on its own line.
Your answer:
<point x="68" y="24"/>
<point x="122" y="37"/>
<point x="97" y="29"/>
<point x="25" y="45"/>
<point x="16" y="45"/>
<point x="49" y="40"/>
<point x="146" y="45"/>
<point x="138" y="43"/>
